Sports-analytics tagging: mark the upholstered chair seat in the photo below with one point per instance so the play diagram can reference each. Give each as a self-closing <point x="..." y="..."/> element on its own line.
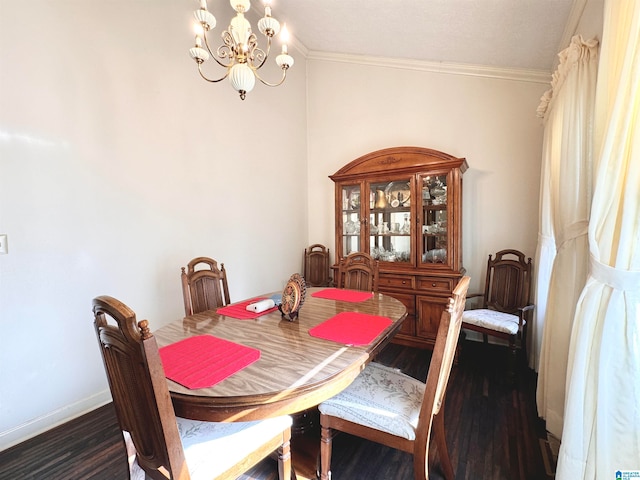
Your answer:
<point x="493" y="320"/>
<point x="382" y="398"/>
<point x="210" y="449"/>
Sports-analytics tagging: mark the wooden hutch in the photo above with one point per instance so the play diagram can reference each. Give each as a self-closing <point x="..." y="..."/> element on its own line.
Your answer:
<point x="403" y="205"/>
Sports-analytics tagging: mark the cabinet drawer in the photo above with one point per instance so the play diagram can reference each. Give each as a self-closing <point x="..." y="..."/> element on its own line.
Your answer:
<point x="435" y="284"/>
<point x="396" y="281"/>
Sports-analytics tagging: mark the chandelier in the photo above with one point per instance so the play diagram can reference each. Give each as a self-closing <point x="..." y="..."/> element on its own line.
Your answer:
<point x="239" y="53"/>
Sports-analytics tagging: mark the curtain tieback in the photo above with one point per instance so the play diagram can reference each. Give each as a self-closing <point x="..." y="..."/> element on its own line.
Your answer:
<point x="575" y="230"/>
<point x="627" y="280"/>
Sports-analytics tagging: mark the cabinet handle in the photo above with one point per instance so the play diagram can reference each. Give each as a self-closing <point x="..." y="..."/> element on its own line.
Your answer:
<point x="404" y="282"/>
<point x="433" y="284"/>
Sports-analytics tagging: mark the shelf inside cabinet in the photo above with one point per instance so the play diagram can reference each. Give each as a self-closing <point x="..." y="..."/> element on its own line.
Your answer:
<point x="390" y="234"/>
<point x="442" y="206"/>
<point x="391" y="210"/>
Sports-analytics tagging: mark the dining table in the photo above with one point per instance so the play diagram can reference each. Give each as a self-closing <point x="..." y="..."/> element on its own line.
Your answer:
<point x="293" y="367"/>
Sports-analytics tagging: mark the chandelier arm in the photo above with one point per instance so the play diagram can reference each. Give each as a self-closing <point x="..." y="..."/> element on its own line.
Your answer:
<point x="261" y="54"/>
<point x="209" y="79"/>
<point x="258" y="58"/>
<point x="214" y="56"/>
<point x="284" y="76"/>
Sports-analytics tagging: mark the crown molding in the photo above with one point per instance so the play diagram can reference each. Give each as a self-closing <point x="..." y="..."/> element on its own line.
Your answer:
<point x="521" y="75"/>
<point x="571" y="27"/>
<point x="299" y="46"/>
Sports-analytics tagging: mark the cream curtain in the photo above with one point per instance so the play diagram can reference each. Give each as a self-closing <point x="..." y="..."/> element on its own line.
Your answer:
<point x="602" y="416"/>
<point x="545" y="251"/>
<point x="565" y="205"/>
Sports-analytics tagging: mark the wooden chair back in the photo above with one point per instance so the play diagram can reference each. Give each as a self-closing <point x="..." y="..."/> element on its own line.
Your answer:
<point x="508" y="282"/>
<point x="437" y="379"/>
<point x="358" y="271"/>
<point x="316" y="266"/>
<point x="139" y="388"/>
<point x="204" y="288"/>
<point x="359" y="403"/>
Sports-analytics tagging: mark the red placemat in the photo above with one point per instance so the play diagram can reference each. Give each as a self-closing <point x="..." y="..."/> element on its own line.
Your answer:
<point x="351" y="328"/>
<point x="204" y="360"/>
<point x="343" y="295"/>
<point x="239" y="310"/>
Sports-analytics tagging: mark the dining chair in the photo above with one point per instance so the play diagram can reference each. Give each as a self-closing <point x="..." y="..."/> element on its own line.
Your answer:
<point x="160" y="445"/>
<point x="389" y="407"/>
<point x="502" y="309"/>
<point x="204" y="286"/>
<point x="358" y="271"/>
<point x="316" y="266"/>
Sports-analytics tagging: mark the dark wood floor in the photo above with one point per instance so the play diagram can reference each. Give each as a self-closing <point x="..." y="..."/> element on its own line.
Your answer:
<point x="492" y="430"/>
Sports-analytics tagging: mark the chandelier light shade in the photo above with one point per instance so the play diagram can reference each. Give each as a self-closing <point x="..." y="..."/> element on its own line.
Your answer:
<point x="239" y="53"/>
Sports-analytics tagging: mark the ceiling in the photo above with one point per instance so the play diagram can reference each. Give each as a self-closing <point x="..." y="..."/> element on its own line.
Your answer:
<point x="514" y="34"/>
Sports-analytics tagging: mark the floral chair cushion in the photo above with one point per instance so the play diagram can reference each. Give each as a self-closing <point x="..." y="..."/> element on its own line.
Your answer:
<point x="211" y="448"/>
<point x="501" y="322"/>
<point x="382" y="398"/>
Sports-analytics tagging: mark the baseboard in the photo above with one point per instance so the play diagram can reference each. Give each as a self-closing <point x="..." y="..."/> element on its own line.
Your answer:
<point x="36" y="426"/>
<point x="549" y="457"/>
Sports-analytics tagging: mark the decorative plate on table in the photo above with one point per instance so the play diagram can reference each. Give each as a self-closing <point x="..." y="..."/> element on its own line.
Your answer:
<point x="303" y="286"/>
<point x="398" y="194"/>
<point x="293" y="296"/>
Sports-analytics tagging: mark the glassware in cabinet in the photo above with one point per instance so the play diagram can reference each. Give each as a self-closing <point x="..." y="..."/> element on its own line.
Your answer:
<point x="390" y="221"/>
<point x="351" y="215"/>
<point x="435" y="240"/>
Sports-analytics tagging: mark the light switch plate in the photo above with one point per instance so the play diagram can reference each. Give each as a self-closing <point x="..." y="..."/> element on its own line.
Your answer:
<point x="3" y="244"/>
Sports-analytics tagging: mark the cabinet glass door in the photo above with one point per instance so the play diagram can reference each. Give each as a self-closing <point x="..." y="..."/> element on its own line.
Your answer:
<point x="434" y="220"/>
<point x="351" y="216"/>
<point x="390" y="220"/>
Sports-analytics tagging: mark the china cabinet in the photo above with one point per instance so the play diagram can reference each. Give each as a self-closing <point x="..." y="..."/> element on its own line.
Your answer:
<point x="403" y="206"/>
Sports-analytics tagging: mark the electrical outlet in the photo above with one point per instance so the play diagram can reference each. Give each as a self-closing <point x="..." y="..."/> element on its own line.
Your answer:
<point x="3" y="244"/>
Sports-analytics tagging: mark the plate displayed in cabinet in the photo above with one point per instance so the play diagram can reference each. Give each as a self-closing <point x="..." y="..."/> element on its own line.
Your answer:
<point x="398" y="194"/>
<point x="354" y="200"/>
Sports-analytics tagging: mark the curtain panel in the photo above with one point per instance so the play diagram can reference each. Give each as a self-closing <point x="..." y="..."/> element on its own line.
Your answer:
<point x="568" y="110"/>
<point x="601" y="435"/>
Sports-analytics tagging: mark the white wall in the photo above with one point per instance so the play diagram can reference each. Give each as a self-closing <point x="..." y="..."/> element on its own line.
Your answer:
<point x="118" y="164"/>
<point x="357" y="108"/>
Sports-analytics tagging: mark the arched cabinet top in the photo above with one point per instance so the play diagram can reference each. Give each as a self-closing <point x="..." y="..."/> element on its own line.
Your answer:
<point x="400" y="160"/>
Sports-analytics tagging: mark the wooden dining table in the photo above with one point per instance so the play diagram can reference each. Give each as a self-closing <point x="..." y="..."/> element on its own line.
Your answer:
<point x="295" y="371"/>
